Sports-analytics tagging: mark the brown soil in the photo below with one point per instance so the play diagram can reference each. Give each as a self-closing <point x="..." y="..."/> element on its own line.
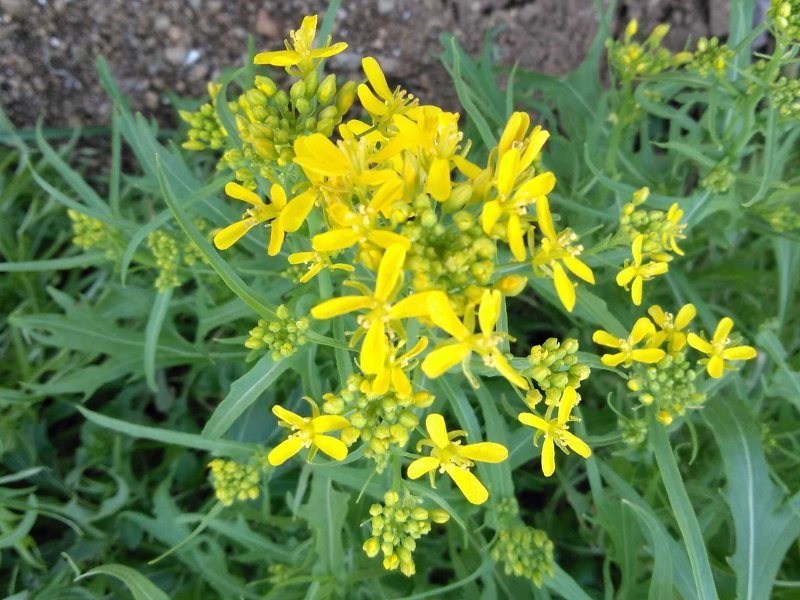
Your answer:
<point x="154" y="47"/>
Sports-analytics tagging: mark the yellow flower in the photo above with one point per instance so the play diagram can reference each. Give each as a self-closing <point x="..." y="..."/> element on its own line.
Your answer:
<point x="466" y="341"/>
<point x="672" y="229"/>
<point x="717" y="349"/>
<point x="383" y="104"/>
<point x="515" y="136"/>
<point x="449" y="456"/>
<point x="514" y="206"/>
<point x="319" y="261"/>
<point x="285" y="216"/>
<point x="393" y="372"/>
<point x="670" y="328"/>
<point x="253" y="216"/>
<point x="381" y="311"/>
<point x="559" y="247"/>
<point x="307" y="432"/>
<point x="637" y="272"/>
<point x="556" y="432"/>
<point x="627" y="350"/>
<point x="302" y="56"/>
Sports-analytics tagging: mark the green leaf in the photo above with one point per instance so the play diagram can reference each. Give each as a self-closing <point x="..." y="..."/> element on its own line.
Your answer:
<point x="223" y="269"/>
<point x="682" y="509"/>
<point x="325" y="513"/>
<point x="244" y="391"/>
<point x="168" y="436"/>
<point x="663" y="576"/>
<point x="139" y="585"/>
<point x="151" y="334"/>
<point x="765" y="524"/>
<point x="57" y="264"/>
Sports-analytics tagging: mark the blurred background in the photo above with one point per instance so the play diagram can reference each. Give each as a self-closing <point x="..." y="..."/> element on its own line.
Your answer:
<point x="157" y="48"/>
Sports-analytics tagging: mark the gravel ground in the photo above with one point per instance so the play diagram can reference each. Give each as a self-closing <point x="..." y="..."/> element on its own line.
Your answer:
<point x="155" y="47"/>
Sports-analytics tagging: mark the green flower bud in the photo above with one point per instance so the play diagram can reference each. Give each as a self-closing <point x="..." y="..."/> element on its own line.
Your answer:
<point x="327" y="90"/>
<point x="265" y="85"/>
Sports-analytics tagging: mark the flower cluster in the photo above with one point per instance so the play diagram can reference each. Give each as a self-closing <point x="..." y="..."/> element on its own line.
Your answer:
<point x="785" y="17"/>
<point x="281" y="337"/>
<point x="88" y="232"/>
<point x="524" y="551"/>
<point x="396" y="526"/>
<point x="234" y="481"/>
<point x="169" y="254"/>
<point x="554" y="366"/>
<point x="634" y="60"/>
<point x="655" y="353"/>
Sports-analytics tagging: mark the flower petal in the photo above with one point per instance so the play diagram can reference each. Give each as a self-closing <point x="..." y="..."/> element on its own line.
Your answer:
<point x="642" y="328"/>
<point x="385" y="239"/>
<point x="400" y="382"/>
<point x="489" y="215"/>
<point x="579" y="268"/>
<point x="443" y="315"/>
<point x="233" y="233"/>
<point x="516" y="237"/>
<point x="295" y="213"/>
<point x="568" y="398"/>
<point x="279" y="58"/>
<point x="540" y="185"/>
<point x="506" y="370"/>
<point x="415" y="305"/>
<point x="612" y="360"/>
<point x="389" y="271"/>
<point x="488" y="452"/>
<point x="239" y="192"/>
<point x="326" y="423"/>
<point x="340" y="306"/>
<point x="380" y="385"/>
<point x="470" y="486"/>
<point x="723" y="329"/>
<point x="606" y="339"/>
<point x="370" y="102"/>
<point x="716" y="367"/>
<point x="437" y="430"/>
<point x="489" y="310"/>
<point x="739" y="353"/>
<point x="276" y="237"/>
<point x="532" y="420"/>
<point x="507" y="172"/>
<point x="578" y="445"/>
<point x="698" y="343"/>
<point x="373" y="350"/>
<point x="444" y="358"/>
<point x="287" y="416"/>
<point x="284" y="451"/>
<point x="376" y="77"/>
<point x="545" y="218"/>
<point x="419" y="467"/>
<point x="685" y="316"/>
<point x="335" y="239"/>
<point x="548" y="457"/>
<point x="636" y="290"/>
<point x="536" y="140"/>
<point x="636" y="249"/>
<point x="333" y="447"/>
<point x="625" y="276"/>
<point x="564" y="287"/>
<point x="439" y="184"/>
<point x="515" y="128"/>
<point x="647" y="355"/>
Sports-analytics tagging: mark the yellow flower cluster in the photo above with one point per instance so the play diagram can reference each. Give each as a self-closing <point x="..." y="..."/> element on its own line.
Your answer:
<point x="654" y="235"/>
<point x="661" y="343"/>
<point x="281" y="337"/>
<point x="524" y="551"/>
<point x="633" y="60"/>
<point x="418" y="231"/>
<point x="89" y="233"/>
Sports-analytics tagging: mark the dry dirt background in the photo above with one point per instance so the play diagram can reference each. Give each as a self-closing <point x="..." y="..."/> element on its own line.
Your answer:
<point x="48" y="47"/>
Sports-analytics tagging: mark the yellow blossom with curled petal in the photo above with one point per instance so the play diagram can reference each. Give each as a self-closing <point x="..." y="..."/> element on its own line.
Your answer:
<point x="637" y="272"/>
<point x="308" y="432"/>
<point x="719" y="350"/>
<point x="319" y="261"/>
<point x="555" y="250"/>
<point x="465" y="341"/>
<point x="300" y="58"/>
<point x="672" y="229"/>
<point x="393" y="373"/>
<point x="259" y="213"/>
<point x="515" y="135"/>
<point x="381" y="102"/>
<point x="556" y="432"/>
<point x="380" y="310"/>
<point x="670" y="328"/>
<point x="451" y="457"/>
<point x="628" y="352"/>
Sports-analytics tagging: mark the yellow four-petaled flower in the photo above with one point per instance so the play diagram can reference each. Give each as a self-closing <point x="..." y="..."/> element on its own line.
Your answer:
<point x="451" y="457"/>
<point x="308" y="432"/>
<point x="719" y="350"/>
